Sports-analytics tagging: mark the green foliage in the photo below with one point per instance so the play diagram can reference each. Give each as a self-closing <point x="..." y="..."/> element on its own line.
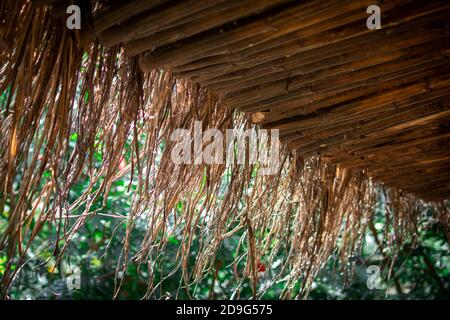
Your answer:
<point x="421" y="270"/>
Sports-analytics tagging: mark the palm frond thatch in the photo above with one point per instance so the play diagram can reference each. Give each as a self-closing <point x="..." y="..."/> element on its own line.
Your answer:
<point x="56" y="85"/>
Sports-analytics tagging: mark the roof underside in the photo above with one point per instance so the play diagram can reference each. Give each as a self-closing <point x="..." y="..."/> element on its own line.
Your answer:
<point x="366" y="99"/>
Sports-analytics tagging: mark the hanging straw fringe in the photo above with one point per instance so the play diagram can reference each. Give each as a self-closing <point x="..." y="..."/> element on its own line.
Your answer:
<point x="56" y="89"/>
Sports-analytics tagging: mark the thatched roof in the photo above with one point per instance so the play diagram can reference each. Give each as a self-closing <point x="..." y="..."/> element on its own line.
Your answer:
<point x="354" y="106"/>
<point x="375" y="99"/>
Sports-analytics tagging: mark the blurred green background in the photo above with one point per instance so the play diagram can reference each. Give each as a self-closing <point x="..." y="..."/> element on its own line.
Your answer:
<point x="420" y="272"/>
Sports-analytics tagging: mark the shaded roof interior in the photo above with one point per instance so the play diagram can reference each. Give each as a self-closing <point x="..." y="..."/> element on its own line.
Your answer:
<point x="368" y="99"/>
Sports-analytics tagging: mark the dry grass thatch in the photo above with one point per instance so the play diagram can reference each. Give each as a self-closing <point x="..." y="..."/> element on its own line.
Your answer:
<point x="60" y="83"/>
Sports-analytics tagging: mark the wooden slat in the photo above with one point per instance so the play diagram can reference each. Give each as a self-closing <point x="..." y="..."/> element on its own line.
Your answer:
<point x="222" y="14"/>
<point x="141" y="26"/>
<point x="122" y="11"/>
